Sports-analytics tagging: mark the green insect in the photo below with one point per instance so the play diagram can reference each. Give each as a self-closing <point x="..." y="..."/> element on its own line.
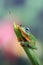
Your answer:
<point x="24" y="35"/>
<point x="28" y="42"/>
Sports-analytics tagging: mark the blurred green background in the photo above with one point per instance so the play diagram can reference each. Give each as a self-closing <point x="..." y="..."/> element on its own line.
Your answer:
<point x="29" y="13"/>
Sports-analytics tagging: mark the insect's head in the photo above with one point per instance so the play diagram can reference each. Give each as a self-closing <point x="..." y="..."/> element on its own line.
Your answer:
<point x="26" y="30"/>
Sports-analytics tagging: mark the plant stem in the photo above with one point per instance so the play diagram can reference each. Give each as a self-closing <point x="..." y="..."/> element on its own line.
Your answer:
<point x="31" y="54"/>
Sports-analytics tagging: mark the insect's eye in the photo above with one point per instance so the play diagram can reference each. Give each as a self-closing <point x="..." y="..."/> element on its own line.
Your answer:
<point x="27" y="30"/>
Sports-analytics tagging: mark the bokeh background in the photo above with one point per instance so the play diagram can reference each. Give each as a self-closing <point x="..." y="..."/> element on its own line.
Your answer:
<point x="28" y="13"/>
